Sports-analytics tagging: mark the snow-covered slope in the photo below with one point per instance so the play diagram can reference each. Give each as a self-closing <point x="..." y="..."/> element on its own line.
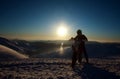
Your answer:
<point x="17" y="45"/>
<point x="7" y="54"/>
<point x="56" y="68"/>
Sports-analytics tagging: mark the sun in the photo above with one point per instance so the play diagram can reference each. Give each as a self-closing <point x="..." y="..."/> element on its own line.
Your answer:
<point x="62" y="31"/>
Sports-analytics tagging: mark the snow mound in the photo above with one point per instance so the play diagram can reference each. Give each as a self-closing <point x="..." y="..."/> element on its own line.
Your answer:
<point x="7" y="53"/>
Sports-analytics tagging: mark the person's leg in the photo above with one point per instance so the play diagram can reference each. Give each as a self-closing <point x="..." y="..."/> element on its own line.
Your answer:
<point x="80" y="56"/>
<point x="74" y="57"/>
<point x="85" y="54"/>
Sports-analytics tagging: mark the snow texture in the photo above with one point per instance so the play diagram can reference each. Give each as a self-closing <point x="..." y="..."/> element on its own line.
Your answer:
<point x="56" y="68"/>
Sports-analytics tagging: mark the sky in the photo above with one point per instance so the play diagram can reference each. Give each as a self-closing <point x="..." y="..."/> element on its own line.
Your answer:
<point x="99" y="20"/>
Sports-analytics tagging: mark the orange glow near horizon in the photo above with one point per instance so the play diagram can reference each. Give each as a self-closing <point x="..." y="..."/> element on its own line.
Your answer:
<point x="51" y="37"/>
<point x="56" y="37"/>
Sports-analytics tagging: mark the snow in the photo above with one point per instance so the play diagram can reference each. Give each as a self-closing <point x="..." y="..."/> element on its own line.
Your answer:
<point x="10" y="52"/>
<point x="57" y="68"/>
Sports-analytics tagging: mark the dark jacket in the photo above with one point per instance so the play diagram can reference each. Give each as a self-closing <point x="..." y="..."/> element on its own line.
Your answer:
<point x="81" y="39"/>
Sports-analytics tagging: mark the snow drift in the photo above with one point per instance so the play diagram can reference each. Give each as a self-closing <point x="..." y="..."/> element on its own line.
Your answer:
<point x="8" y="54"/>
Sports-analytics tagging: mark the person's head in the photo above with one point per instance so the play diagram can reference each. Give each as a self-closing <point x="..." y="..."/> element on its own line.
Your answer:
<point x="79" y="32"/>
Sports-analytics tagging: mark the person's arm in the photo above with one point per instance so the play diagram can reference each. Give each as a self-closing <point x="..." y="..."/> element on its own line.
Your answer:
<point x="75" y="37"/>
<point x="85" y="38"/>
<point x="71" y="39"/>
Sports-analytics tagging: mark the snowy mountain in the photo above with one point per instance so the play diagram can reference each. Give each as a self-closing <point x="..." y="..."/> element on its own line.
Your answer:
<point x="10" y="54"/>
<point x="17" y="45"/>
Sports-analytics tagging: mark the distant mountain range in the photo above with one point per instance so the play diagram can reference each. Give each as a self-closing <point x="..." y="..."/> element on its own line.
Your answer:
<point x="94" y="49"/>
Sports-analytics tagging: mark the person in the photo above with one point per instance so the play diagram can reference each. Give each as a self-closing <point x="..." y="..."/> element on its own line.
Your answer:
<point x="78" y="48"/>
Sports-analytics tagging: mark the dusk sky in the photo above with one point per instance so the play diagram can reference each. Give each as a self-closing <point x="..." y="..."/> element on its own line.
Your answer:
<point x="99" y="20"/>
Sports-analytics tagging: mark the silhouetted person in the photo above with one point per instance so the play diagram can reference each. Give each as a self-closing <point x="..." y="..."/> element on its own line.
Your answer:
<point x="79" y="48"/>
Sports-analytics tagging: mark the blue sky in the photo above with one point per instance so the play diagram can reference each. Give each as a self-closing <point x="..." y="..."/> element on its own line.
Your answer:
<point x="38" y="19"/>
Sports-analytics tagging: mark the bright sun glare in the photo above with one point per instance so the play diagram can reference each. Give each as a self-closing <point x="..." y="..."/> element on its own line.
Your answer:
<point x="62" y="31"/>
